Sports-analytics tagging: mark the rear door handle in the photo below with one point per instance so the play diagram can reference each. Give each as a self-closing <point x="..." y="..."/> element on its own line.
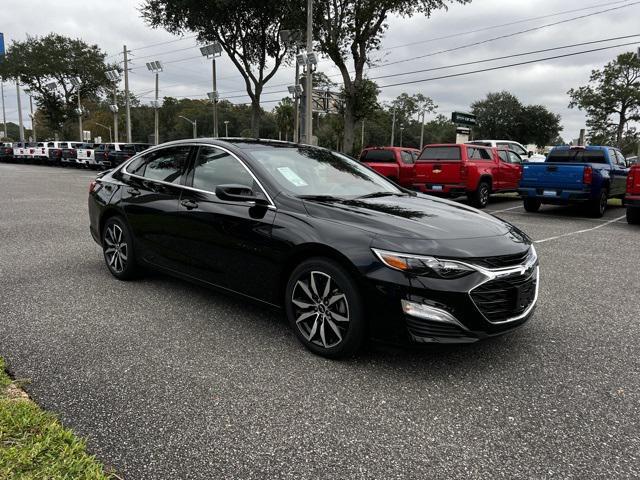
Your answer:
<point x="189" y="204"/>
<point x="134" y="192"/>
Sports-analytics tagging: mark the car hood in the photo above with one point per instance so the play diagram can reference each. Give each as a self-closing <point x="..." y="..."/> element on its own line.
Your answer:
<point x="411" y="217"/>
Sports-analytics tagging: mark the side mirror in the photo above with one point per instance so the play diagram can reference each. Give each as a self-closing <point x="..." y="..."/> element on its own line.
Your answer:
<point x="529" y="154"/>
<point x="238" y="193"/>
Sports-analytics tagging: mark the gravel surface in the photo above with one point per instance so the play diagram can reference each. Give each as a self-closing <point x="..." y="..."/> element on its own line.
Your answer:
<point x="168" y="380"/>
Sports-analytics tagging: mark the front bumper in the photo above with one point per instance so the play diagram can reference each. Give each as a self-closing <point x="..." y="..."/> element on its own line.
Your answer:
<point x="488" y="303"/>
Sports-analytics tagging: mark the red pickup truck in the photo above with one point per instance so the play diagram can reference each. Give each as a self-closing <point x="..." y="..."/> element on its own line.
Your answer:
<point x="459" y="169"/>
<point x="632" y="198"/>
<point x="395" y="163"/>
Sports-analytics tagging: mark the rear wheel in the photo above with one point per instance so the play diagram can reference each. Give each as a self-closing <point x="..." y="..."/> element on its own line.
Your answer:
<point x="597" y="207"/>
<point x="325" y="308"/>
<point x="532" y="204"/>
<point x="480" y="197"/>
<point x="633" y="216"/>
<point x="117" y="247"/>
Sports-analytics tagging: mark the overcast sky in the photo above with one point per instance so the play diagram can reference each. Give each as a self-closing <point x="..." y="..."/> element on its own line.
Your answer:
<point x="112" y="23"/>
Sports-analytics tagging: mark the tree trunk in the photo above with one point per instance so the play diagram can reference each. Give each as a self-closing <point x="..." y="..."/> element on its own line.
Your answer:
<point x="256" y="113"/>
<point x="349" y="125"/>
<point x="620" y="132"/>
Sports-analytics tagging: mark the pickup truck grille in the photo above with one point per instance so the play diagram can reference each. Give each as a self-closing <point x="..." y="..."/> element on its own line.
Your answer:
<point x="505" y="298"/>
<point x="501" y="261"/>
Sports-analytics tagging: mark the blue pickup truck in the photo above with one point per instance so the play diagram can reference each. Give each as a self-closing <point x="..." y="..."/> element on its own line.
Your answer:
<point x="585" y="175"/>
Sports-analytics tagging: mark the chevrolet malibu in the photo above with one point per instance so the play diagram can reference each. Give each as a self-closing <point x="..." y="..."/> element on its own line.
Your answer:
<point x="344" y="252"/>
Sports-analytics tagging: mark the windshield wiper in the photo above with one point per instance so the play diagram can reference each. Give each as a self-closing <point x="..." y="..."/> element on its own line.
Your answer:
<point x="381" y="194"/>
<point x="321" y="198"/>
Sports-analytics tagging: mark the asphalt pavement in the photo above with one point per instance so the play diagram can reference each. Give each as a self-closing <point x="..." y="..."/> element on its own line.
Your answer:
<point x="167" y="380"/>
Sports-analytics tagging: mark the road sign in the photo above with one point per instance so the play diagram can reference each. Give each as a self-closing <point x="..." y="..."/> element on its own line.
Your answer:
<point x="464" y="119"/>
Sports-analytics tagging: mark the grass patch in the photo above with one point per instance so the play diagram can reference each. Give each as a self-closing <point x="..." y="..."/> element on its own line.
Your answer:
<point x="34" y="445"/>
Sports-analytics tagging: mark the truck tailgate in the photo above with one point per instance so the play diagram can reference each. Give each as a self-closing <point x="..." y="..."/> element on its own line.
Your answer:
<point x="553" y="175"/>
<point x="438" y="172"/>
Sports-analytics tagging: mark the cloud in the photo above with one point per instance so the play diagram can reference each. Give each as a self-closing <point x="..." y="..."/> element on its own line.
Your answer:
<point x="117" y="22"/>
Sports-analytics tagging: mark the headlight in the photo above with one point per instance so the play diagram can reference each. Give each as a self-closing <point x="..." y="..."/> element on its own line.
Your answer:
<point x="422" y="265"/>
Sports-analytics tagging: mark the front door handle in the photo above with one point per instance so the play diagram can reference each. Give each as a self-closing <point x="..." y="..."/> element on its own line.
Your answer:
<point x="189" y="204"/>
<point x="134" y="192"/>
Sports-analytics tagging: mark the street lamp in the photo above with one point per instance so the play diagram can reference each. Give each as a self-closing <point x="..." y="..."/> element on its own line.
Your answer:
<point x="108" y="128"/>
<point x="76" y="82"/>
<point x="212" y="51"/>
<point x="226" y="128"/>
<point x="155" y="67"/>
<point x="194" y="124"/>
<point x="308" y="60"/>
<point x="114" y="77"/>
<point x="401" y="130"/>
<point x="294" y="38"/>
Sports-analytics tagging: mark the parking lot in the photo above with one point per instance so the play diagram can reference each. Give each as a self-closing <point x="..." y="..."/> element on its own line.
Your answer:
<point x="169" y="380"/>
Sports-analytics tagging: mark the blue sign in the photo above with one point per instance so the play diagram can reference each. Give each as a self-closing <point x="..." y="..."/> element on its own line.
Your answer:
<point x="1" y="44"/>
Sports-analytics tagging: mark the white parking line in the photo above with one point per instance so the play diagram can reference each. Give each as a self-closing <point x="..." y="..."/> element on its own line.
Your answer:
<point x="580" y="231"/>
<point x="505" y="209"/>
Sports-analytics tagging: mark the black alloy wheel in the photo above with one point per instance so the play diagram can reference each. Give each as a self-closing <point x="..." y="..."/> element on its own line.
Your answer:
<point x="480" y="198"/>
<point x="117" y="246"/>
<point x="598" y="206"/>
<point x="324" y="308"/>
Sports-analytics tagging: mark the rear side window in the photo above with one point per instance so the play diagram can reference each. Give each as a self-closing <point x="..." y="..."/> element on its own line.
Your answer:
<point x="406" y="157"/>
<point x="577" y="155"/>
<point x="167" y="164"/>
<point x="379" y="156"/>
<point x="478" y="154"/>
<point x="440" y="153"/>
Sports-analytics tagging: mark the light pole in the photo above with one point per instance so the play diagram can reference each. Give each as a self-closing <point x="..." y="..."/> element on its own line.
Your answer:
<point x="20" y="110"/>
<point x="194" y="124"/>
<point x="393" y="127"/>
<point x="309" y="80"/>
<point x="108" y="128"/>
<point x="212" y="51"/>
<point x="114" y="77"/>
<point x="155" y="67"/>
<point x="226" y="128"/>
<point x="33" y="118"/>
<point x="4" y="113"/>
<point x="76" y="82"/>
<point x="401" y="130"/>
<point x="294" y="37"/>
<point x="362" y="136"/>
<point x="296" y="91"/>
<point x="309" y="61"/>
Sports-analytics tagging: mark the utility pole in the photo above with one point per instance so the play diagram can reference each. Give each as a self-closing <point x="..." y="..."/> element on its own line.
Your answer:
<point x="226" y="128"/>
<point x="80" y="115"/>
<point x="215" y="98"/>
<point x="156" y="120"/>
<point x="401" y="130"/>
<point x="115" y="112"/>
<point x="309" y="80"/>
<point x="393" y="127"/>
<point x="296" y="101"/>
<point x="422" y="131"/>
<point x="33" y="119"/>
<point x="20" y="110"/>
<point x="126" y="94"/>
<point x="4" y="113"/>
<point x="362" y="136"/>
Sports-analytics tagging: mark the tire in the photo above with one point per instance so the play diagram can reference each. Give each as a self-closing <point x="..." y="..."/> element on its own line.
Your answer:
<point x="597" y="207"/>
<point x="324" y="308"/>
<point x="480" y="197"/>
<point x="633" y="216"/>
<point x="532" y="205"/>
<point x="117" y="248"/>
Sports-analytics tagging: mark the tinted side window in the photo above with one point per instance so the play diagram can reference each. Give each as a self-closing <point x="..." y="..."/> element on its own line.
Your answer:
<point x="215" y="167"/>
<point x="478" y="154"/>
<point x="167" y="164"/>
<point x="406" y="157"/>
<point x="379" y="156"/>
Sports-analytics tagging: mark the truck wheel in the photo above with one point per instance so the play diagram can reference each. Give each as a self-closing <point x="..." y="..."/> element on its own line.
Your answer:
<point x="633" y="216"/>
<point x="480" y="198"/>
<point x="598" y="206"/>
<point x="532" y="204"/>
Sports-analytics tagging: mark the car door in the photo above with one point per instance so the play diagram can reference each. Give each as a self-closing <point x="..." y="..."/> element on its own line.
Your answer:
<point x="620" y="173"/>
<point x="228" y="243"/>
<point x="510" y="169"/>
<point x="150" y="201"/>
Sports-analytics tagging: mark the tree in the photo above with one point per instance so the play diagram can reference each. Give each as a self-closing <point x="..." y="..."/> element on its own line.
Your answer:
<point x="40" y="61"/>
<point x="539" y="125"/>
<point x="498" y="116"/>
<point x="284" y="115"/>
<point x="349" y="31"/>
<point x="613" y="91"/>
<point x="247" y="30"/>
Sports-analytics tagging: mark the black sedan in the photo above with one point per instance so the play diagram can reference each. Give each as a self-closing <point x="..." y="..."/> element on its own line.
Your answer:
<point x="343" y="251"/>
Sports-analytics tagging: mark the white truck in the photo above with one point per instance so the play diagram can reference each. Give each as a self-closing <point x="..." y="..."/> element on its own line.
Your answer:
<point x="516" y="147"/>
<point x="86" y="155"/>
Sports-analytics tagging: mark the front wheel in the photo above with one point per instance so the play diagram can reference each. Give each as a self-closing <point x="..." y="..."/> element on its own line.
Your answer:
<point x="480" y="197"/>
<point x="532" y="204"/>
<point x="633" y="216"/>
<point x="117" y="247"/>
<point x="325" y="309"/>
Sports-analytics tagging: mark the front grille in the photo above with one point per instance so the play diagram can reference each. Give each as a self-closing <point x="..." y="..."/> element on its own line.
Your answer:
<point x="500" y="261"/>
<point x="504" y="298"/>
<point x="426" y="328"/>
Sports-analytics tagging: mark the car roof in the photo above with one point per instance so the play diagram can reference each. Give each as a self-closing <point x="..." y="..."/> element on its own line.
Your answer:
<point x="395" y="147"/>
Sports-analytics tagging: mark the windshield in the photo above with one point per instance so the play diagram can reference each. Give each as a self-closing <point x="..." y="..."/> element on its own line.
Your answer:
<point x="576" y="155"/>
<point x="307" y="171"/>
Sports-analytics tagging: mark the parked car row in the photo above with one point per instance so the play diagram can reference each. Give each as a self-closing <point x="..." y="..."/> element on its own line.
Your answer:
<point x="67" y="153"/>
<point x="589" y="176"/>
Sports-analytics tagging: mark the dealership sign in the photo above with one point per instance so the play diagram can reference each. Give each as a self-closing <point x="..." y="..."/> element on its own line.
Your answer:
<point x="464" y="119"/>
<point x="1" y="45"/>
